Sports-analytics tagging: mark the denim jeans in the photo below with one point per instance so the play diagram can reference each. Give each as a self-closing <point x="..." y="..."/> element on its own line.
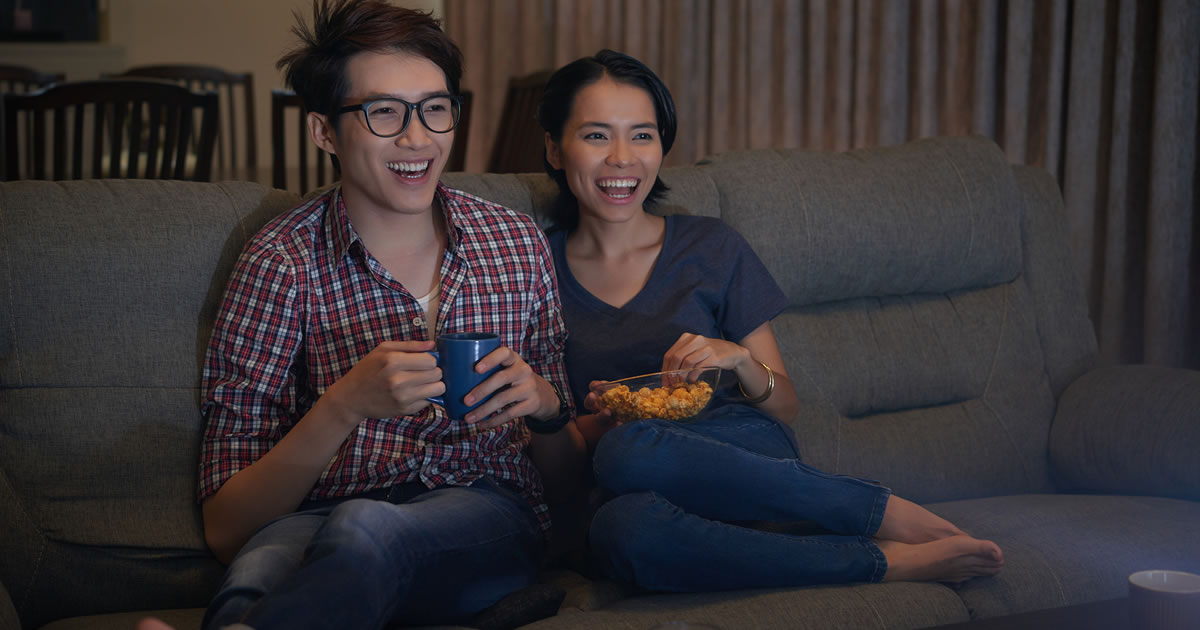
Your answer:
<point x="680" y="486"/>
<point x="414" y="557"/>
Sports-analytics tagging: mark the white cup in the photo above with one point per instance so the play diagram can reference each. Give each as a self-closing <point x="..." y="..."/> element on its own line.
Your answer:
<point x="1164" y="600"/>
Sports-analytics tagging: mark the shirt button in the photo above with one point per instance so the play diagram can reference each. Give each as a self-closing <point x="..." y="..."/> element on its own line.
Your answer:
<point x="418" y="322"/>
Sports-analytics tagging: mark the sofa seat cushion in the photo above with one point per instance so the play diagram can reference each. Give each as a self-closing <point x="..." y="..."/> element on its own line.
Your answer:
<point x="178" y="618"/>
<point x="854" y="607"/>
<point x="1066" y="549"/>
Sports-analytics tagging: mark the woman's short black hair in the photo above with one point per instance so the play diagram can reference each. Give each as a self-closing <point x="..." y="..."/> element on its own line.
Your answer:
<point x="559" y="97"/>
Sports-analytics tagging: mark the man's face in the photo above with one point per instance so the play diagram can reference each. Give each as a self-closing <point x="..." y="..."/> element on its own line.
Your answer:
<point x="388" y="175"/>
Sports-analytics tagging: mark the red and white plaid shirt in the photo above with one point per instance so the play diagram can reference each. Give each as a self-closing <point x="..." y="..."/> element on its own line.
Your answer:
<point x="306" y="301"/>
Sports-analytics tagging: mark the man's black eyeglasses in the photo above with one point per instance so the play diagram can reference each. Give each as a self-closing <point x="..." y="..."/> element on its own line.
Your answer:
<point x="389" y="117"/>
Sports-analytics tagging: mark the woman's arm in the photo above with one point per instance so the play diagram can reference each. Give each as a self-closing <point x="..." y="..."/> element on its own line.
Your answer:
<point x="782" y="402"/>
<point x="746" y="360"/>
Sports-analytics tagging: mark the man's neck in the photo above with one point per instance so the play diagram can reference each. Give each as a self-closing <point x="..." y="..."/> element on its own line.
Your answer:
<point x="391" y="234"/>
<point x="409" y="246"/>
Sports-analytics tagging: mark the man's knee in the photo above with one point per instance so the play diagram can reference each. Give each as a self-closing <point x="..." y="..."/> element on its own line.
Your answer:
<point x="364" y="530"/>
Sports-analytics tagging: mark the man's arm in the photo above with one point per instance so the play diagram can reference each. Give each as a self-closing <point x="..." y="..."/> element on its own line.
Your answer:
<point x="394" y="379"/>
<point x="253" y="466"/>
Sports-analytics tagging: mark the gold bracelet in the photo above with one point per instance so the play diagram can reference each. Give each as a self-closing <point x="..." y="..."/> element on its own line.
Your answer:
<point x="770" y="386"/>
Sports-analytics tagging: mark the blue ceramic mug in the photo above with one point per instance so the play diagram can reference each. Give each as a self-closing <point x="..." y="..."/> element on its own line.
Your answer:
<point x="457" y="354"/>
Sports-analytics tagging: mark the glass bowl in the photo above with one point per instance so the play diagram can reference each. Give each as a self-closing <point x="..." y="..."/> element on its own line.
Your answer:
<point x="675" y="395"/>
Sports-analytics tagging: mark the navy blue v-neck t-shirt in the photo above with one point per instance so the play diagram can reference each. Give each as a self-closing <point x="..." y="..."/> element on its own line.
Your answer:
<point x="706" y="281"/>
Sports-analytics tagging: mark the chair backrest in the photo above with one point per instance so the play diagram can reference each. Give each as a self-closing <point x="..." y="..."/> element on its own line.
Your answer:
<point x="25" y="79"/>
<point x="237" y="142"/>
<point x="111" y="128"/>
<point x="458" y="152"/>
<point x="519" y="139"/>
<point x="305" y="178"/>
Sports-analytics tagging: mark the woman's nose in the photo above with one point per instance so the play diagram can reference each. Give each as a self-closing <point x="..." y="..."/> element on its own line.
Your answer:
<point x="621" y="155"/>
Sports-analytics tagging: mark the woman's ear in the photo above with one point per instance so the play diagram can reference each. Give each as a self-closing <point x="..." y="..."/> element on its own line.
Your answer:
<point x="553" y="153"/>
<point x="322" y="133"/>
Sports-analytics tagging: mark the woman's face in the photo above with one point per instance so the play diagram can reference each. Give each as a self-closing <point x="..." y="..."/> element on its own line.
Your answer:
<point x="610" y="149"/>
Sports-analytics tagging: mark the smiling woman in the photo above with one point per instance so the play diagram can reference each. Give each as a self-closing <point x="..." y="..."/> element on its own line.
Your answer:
<point x="643" y="293"/>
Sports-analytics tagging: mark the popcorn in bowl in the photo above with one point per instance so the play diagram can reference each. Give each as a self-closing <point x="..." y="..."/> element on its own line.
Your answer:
<point x="675" y="395"/>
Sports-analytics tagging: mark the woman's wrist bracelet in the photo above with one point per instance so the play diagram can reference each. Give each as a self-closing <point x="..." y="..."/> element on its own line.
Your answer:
<point x="770" y="386"/>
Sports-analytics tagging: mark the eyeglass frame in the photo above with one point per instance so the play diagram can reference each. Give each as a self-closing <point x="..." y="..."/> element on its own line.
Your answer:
<point x="409" y="108"/>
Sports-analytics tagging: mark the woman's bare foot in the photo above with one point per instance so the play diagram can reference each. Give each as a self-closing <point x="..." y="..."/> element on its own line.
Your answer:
<point x="150" y="623"/>
<point x="907" y="522"/>
<point x="953" y="559"/>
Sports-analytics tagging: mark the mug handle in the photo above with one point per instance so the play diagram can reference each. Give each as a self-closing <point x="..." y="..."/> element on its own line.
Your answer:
<point x="437" y="400"/>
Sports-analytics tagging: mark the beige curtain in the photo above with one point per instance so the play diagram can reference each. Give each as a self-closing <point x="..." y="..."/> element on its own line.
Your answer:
<point x="1101" y="93"/>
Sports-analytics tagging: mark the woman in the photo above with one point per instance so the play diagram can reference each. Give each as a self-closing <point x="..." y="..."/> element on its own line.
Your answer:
<point x="643" y="293"/>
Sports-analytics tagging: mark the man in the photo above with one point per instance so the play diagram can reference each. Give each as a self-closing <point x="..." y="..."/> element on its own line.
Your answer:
<point x="341" y="496"/>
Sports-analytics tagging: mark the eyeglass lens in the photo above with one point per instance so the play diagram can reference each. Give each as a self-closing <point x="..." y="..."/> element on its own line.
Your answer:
<point x="389" y="117"/>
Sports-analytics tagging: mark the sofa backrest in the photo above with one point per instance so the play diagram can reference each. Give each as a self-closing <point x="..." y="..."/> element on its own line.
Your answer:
<point x="109" y="291"/>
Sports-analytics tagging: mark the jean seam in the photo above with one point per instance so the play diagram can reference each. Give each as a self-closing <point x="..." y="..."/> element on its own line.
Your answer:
<point x="881" y="563"/>
<point x="878" y="506"/>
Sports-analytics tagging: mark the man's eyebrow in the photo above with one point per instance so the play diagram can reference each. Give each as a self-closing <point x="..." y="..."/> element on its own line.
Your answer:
<point x="375" y="96"/>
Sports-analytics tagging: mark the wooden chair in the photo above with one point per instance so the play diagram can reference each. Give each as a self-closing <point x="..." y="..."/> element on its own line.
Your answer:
<point x="285" y="104"/>
<point x="25" y="79"/>
<point x="519" y="144"/>
<point x="458" y="153"/>
<point x="124" y="128"/>
<point x="21" y="79"/>
<point x="237" y="142"/>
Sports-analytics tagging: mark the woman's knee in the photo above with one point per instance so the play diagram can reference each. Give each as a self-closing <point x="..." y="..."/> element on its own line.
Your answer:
<point x="632" y="529"/>
<point x="626" y="459"/>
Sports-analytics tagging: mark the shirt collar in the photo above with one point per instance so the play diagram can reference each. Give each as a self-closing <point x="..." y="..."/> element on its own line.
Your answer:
<point x="342" y="235"/>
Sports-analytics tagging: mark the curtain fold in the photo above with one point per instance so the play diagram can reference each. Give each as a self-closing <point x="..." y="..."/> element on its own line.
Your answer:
<point x="1101" y="93"/>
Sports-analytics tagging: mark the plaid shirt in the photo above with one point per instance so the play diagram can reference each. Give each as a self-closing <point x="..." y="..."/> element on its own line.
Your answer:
<point x="306" y="301"/>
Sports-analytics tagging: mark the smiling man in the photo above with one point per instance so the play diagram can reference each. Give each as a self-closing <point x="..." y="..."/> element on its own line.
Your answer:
<point x="338" y="493"/>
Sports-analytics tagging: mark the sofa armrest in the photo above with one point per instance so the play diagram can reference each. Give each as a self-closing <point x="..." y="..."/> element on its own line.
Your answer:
<point x="1132" y="429"/>
<point x="8" y="612"/>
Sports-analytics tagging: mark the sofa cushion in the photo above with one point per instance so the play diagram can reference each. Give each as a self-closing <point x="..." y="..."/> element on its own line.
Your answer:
<point x="900" y="605"/>
<point x="927" y="217"/>
<point x="110" y="289"/>
<point x="939" y="397"/>
<point x="905" y="264"/>
<point x="1062" y="549"/>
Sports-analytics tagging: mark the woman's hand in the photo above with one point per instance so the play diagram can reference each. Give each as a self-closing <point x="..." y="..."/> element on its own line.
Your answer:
<point x="691" y="351"/>
<point x="594" y="425"/>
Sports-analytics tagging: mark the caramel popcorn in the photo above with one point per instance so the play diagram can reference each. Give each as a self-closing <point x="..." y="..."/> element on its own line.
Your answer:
<point x="674" y="402"/>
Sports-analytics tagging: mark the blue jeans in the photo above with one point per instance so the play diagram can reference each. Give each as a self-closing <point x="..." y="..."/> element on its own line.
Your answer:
<point x="414" y="557"/>
<point x="679" y="486"/>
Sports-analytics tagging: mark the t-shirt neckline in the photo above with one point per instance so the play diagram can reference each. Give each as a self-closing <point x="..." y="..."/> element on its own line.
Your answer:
<point x="600" y="305"/>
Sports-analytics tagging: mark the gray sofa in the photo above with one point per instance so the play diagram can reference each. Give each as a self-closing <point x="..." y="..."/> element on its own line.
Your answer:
<point x="937" y="337"/>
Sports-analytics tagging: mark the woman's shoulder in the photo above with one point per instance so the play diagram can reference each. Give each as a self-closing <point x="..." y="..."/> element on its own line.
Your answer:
<point x="703" y="231"/>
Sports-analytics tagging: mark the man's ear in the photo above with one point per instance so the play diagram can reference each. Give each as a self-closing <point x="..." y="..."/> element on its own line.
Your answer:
<point x="553" y="153"/>
<point x="322" y="133"/>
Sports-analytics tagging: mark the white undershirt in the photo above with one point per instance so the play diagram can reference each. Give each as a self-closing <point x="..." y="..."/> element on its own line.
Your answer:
<point x="429" y="302"/>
